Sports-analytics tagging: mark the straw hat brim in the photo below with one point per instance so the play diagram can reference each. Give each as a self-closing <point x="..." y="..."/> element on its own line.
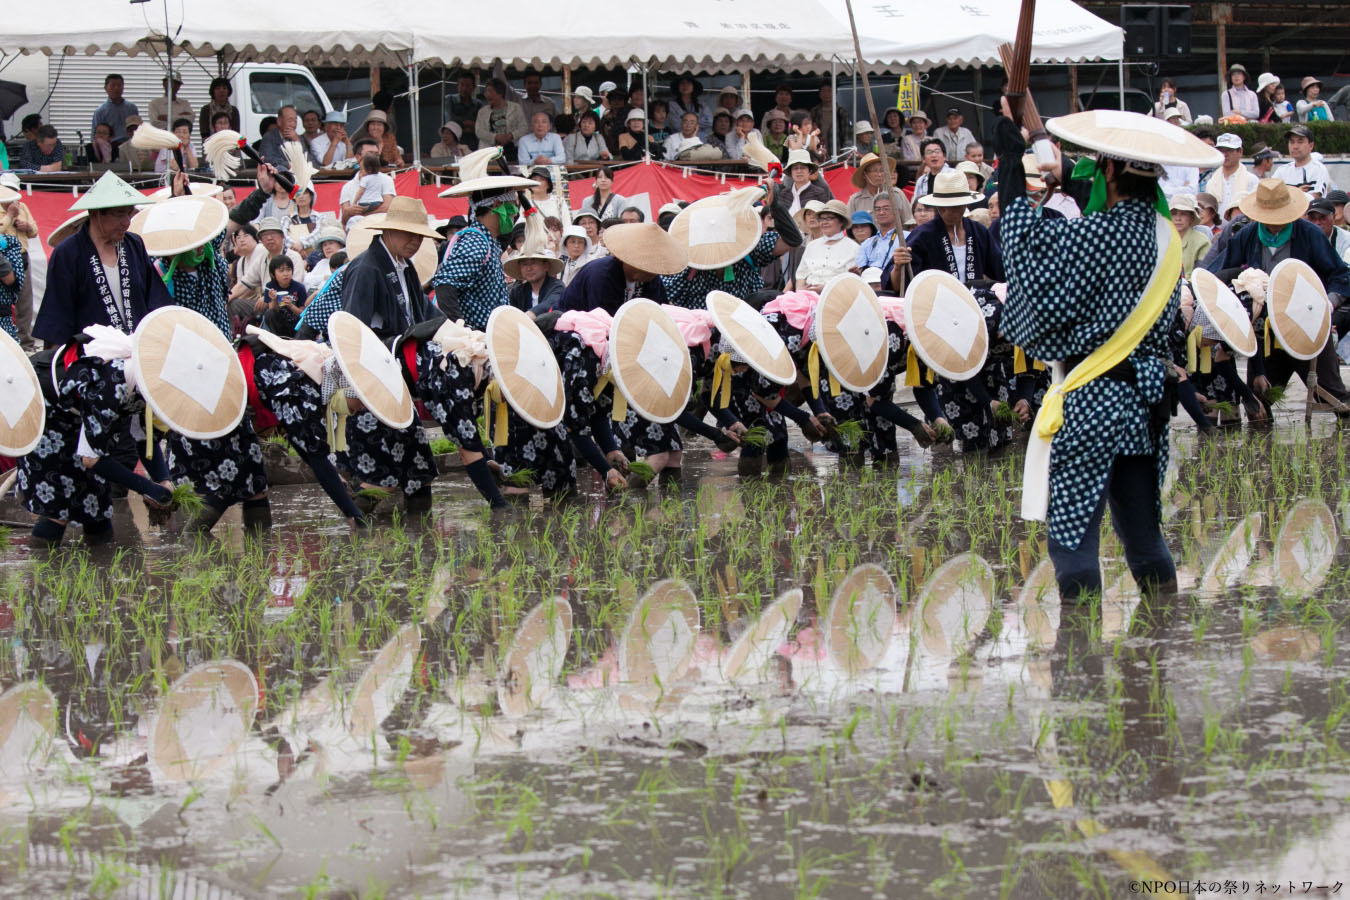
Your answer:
<point x="1295" y="208"/>
<point x="67" y="228"/>
<point x="713" y="234"/>
<point x="230" y="692"/>
<point x="1224" y="311"/>
<point x="861" y="620"/>
<point x="388" y="673"/>
<point x="195" y="188"/>
<point x="664" y="622"/>
<point x="35" y="702"/>
<point x="179" y="224"/>
<point x="8" y="194"/>
<point x="1299" y="312"/>
<point x="850" y="327"/>
<point x="954" y="604"/>
<point x="23" y="412"/>
<point x="525" y="367"/>
<point x="512" y="265"/>
<point x="751" y="336"/>
<point x="408" y="226"/>
<point x="488" y="183"/>
<point x="361" y="235"/>
<point x="1133" y="136"/>
<point x="650" y="361"/>
<point x="539" y="643"/>
<point x="859" y="173"/>
<point x="1305" y="547"/>
<point x="962" y="199"/>
<point x="945" y="325"/>
<point x="371" y="370"/>
<point x="747" y="657"/>
<point x="645" y="246"/>
<point x="190" y="375"/>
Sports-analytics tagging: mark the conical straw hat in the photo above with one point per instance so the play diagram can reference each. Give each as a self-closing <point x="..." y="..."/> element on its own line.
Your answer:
<point x="1299" y="310"/>
<point x="1305" y="548"/>
<point x="645" y="246"/>
<point x="850" y="327"/>
<point x="1133" y="136"/>
<point x="203" y="721"/>
<point x="27" y="724"/>
<point x="67" y="228"/>
<point x="720" y="230"/>
<point x="195" y="188"/>
<point x="364" y="231"/>
<point x="1223" y="312"/>
<point x="189" y="374"/>
<point x="109" y="192"/>
<point x="945" y="325"/>
<point x="371" y="370"/>
<point x="383" y="682"/>
<point x="659" y="640"/>
<point x="1233" y="557"/>
<point x="23" y="412"/>
<point x="954" y="604"/>
<point x="861" y="619"/>
<point x="524" y="365"/>
<point x="746" y="659"/>
<point x="650" y="360"/>
<point x="8" y="194"/>
<point x="752" y="337"/>
<point x="535" y="247"/>
<point x="473" y="176"/>
<point x="534" y="661"/>
<point x="179" y="224"/>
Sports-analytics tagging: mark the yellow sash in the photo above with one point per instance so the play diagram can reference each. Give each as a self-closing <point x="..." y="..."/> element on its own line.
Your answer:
<point x="335" y="418"/>
<point x="496" y="407"/>
<point x="1198" y="358"/>
<point x="813" y="372"/>
<point x="913" y="378"/>
<point x="620" y="405"/>
<point x="1020" y="362"/>
<point x="722" y="381"/>
<point x="149" y="431"/>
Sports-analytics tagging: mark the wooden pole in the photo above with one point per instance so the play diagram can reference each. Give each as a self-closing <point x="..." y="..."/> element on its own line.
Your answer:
<point x="1222" y="35"/>
<point x="1073" y="89"/>
<point x="867" y="87"/>
<point x="566" y="108"/>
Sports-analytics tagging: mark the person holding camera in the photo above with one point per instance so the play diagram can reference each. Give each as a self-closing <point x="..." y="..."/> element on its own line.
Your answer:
<point x="284" y="297"/>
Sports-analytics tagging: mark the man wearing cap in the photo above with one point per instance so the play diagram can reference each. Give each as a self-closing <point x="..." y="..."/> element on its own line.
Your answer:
<point x="1231" y="181"/>
<point x="1322" y="213"/>
<point x="864" y="136"/>
<point x="272" y="235"/>
<point x="160" y="113"/>
<point x="955" y="136"/>
<point x="1303" y="172"/>
<point x="381" y="287"/>
<point x="1101" y="436"/>
<point x="1263" y="162"/>
<point x="541" y="147"/>
<point x="332" y="146"/>
<point x="100" y="275"/>
<point x="1282" y="233"/>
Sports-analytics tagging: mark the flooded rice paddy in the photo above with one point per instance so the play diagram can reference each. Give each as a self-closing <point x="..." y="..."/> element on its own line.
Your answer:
<point x="854" y="683"/>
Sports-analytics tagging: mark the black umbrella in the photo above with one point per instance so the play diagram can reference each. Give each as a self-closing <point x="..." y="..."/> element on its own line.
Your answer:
<point x="12" y="96"/>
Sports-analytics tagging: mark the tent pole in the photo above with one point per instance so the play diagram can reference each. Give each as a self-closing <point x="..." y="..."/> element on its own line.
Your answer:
<point x="646" y="113"/>
<point x="1073" y="88"/>
<point x="853" y="114"/>
<point x="414" y="107"/>
<point x="1120" y="78"/>
<point x="834" y="105"/>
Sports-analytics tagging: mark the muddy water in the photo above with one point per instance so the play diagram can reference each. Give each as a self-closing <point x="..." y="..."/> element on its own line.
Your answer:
<point x="847" y="684"/>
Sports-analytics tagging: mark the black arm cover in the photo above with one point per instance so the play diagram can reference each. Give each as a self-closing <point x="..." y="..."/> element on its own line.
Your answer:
<point x="591" y="453"/>
<point x="786" y="228"/>
<point x="156" y="466"/>
<point x="247" y="209"/>
<point x="792" y="412"/>
<point x="112" y="470"/>
<point x="602" y="432"/>
<point x="447" y="298"/>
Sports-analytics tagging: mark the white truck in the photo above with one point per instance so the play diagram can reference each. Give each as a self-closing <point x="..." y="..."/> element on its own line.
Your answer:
<point x="65" y="90"/>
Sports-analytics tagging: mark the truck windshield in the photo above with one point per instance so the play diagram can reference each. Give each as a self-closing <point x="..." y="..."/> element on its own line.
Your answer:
<point x="269" y="91"/>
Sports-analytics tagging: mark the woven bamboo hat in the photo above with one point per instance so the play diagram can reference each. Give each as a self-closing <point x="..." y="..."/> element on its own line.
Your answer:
<point x="535" y="247"/>
<point x="721" y="229"/>
<point x="27" y="724"/>
<point x="860" y="173"/>
<point x="23" y="412"/>
<point x="748" y="657"/>
<point x="67" y="228"/>
<point x="109" y="192"/>
<point x="179" y="224"/>
<point x="363" y="232"/>
<point x="371" y="370"/>
<point x="1232" y="558"/>
<point x="473" y="176"/>
<point x="861" y="621"/>
<point x="525" y="367"/>
<point x="1299" y="311"/>
<point x="658" y="642"/>
<point x="1135" y="138"/>
<point x="407" y="214"/>
<point x="1224" y="311"/>
<point x="203" y="721"/>
<point x="1305" y="548"/>
<point x="1274" y="203"/>
<point x="954" y="604"/>
<point x="195" y="189"/>
<point x="383" y="682"/>
<point x="650" y="360"/>
<point x="189" y="374"/>
<point x="945" y="325"/>
<point x="534" y="659"/>
<point x="646" y="246"/>
<point x="752" y="337"/>
<point x="850" y="328"/>
<point x="950" y="189"/>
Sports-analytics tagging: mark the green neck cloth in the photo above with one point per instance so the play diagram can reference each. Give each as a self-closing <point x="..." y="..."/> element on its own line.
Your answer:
<point x="191" y="259"/>
<point x="1274" y="239"/>
<point x="1087" y="168"/>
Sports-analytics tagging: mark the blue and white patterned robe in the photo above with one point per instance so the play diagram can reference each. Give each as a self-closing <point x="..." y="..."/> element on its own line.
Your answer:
<point x="12" y="250"/>
<point x="1071" y="284"/>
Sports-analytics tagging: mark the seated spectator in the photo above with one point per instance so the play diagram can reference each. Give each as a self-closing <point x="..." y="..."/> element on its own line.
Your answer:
<point x="776" y="136"/>
<point x="272" y="235"/>
<point x="160" y="112"/>
<point x="541" y="147"/>
<point x="311" y="124"/>
<point x="808" y="134"/>
<point x="694" y="150"/>
<point x="873" y="178"/>
<point x="877" y="250"/>
<point x="830" y="254"/>
<point x="500" y="122"/>
<point x="101" y="149"/>
<point x="138" y="159"/>
<point x="533" y="102"/>
<point x="659" y="125"/>
<point x="303" y="223"/>
<point x="332" y="240"/>
<point x="804" y="182"/>
<point x="287" y="130"/>
<point x="631" y="216"/>
<point x="590" y="224"/>
<point x="576" y="251"/>
<point x="220" y="104"/>
<point x="862" y="227"/>
<point x="934" y="163"/>
<point x="1194" y="244"/>
<point x="687" y="99"/>
<point x="1304" y="171"/>
<point x="250" y="274"/>
<point x="165" y="160"/>
<point x="975" y="156"/>
<point x="603" y="202"/>
<point x="892" y="129"/>
<point x="332" y="146"/>
<point x="864" y="138"/>
<point x="634" y="143"/>
<point x="283" y="296"/>
<point x="583" y="101"/>
<point x="782" y="105"/>
<point x="377" y="129"/>
<point x="1311" y="108"/>
<point x="586" y="144"/>
<point x="1239" y="99"/>
<point x="449" y="146"/>
<point x="265" y="127"/>
<point x="1168" y="100"/>
<point x="911" y="148"/>
<point x="688" y="129"/>
<point x="613" y="122"/>
<point x="369" y="191"/>
<point x="740" y="134"/>
<point x="44" y="152"/>
<point x="221" y="122"/>
<point x="955" y="136"/>
<point x="721" y="129"/>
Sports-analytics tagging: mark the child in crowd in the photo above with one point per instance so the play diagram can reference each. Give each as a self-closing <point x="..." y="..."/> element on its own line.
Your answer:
<point x="285" y="297"/>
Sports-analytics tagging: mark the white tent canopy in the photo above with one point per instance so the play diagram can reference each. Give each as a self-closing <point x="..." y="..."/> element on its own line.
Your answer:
<point x="923" y="34"/>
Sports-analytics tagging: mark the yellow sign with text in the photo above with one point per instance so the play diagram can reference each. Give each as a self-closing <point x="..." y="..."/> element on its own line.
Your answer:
<point x="906" y="98"/>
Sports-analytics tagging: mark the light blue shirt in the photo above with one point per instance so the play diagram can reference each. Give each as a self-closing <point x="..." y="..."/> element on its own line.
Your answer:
<point x="549" y="145"/>
<point x="876" y="250"/>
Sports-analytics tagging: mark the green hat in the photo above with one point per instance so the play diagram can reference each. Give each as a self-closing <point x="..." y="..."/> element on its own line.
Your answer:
<point x="110" y="192"/>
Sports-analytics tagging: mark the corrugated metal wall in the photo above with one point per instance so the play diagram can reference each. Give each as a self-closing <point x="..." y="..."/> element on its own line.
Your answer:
<point x="76" y="85"/>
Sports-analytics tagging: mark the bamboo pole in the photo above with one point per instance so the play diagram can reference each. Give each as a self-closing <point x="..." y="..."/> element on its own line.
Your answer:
<point x="867" y="87"/>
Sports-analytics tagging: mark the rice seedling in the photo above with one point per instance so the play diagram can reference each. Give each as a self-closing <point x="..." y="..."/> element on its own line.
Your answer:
<point x="755" y="436"/>
<point x="643" y="469"/>
<point x="185" y="497"/>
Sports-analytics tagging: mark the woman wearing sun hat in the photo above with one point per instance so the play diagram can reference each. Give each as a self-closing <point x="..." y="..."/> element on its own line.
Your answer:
<point x="830" y="254"/>
<point x="1311" y="108"/>
<point x="1098" y="293"/>
<point x="1239" y="99"/>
